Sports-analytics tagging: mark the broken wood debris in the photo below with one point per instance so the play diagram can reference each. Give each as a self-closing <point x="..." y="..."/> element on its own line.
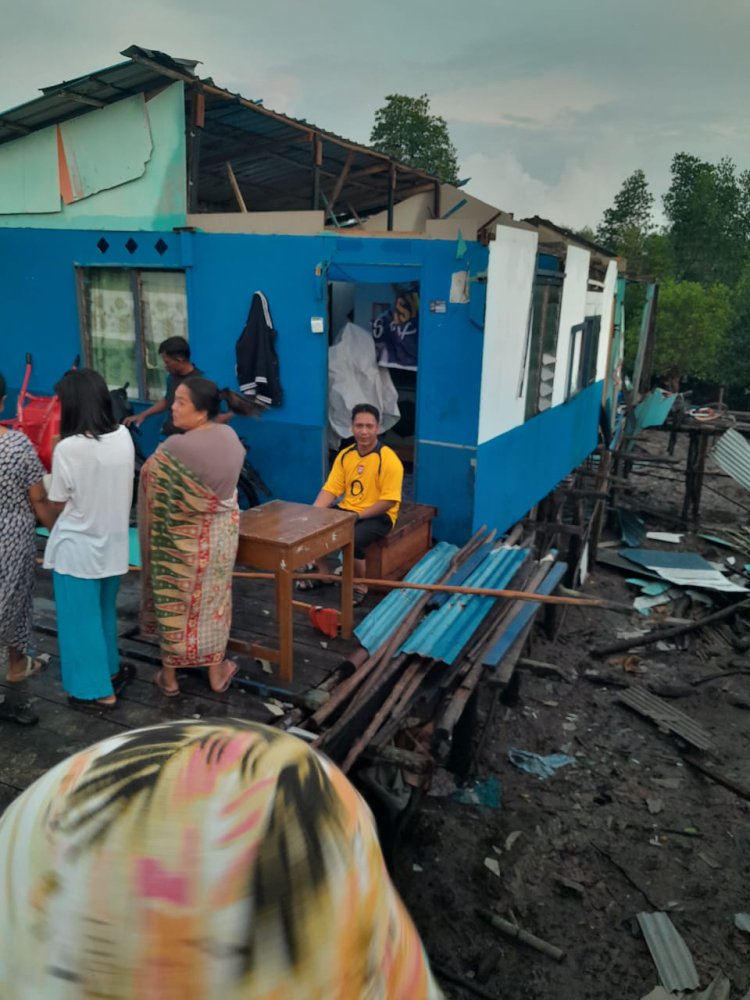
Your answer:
<point x="403" y="699"/>
<point x="517" y="933"/>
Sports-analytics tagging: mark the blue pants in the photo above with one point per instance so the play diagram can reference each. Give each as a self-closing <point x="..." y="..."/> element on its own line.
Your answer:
<point x="87" y="634"/>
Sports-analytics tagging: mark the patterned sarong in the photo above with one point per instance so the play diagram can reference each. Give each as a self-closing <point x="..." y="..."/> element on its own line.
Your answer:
<point x="188" y="548"/>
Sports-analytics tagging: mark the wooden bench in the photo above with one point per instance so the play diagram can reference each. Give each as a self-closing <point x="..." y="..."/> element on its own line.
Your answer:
<point x="393" y="556"/>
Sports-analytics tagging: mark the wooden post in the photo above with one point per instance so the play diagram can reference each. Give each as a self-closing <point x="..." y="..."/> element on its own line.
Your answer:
<point x="391" y="192"/>
<point x="317" y="163"/>
<point x="236" y="188"/>
<point x="436" y="200"/>
<point x="340" y="181"/>
<point x="195" y="130"/>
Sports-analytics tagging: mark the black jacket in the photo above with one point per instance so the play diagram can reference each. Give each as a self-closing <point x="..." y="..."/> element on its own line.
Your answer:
<point x="257" y="363"/>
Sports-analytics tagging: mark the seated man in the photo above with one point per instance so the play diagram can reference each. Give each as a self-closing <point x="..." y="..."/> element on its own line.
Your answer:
<point x="369" y="476"/>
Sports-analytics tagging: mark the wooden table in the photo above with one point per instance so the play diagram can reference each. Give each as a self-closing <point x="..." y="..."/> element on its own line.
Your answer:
<point x="281" y="537"/>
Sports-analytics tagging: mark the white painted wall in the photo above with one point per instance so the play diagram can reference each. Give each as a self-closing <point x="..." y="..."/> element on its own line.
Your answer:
<point x="606" y="311"/>
<point x="572" y="311"/>
<point x="510" y="276"/>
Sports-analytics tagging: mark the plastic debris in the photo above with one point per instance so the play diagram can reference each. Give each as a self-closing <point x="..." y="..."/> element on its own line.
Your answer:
<point x="742" y="922"/>
<point x="482" y="793"/>
<point x="512" y="838"/>
<point x="534" y="763"/>
<point x="655" y="806"/>
<point x="493" y="865"/>
<point x="665" y="536"/>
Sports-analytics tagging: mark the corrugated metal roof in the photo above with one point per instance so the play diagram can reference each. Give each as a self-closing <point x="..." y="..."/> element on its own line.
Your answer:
<point x="388" y="615"/>
<point x="671" y="955"/>
<point x="271" y="154"/>
<point x="732" y="454"/>
<point x="444" y="633"/>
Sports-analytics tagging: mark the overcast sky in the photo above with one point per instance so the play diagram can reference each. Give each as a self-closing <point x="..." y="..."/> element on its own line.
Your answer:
<point x="551" y="103"/>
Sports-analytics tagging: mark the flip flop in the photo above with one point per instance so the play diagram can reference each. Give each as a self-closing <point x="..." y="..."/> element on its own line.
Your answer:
<point x="228" y="682"/>
<point x="359" y="596"/>
<point x="167" y="692"/>
<point x="32" y="665"/>
<point x="123" y="677"/>
<point x="311" y="584"/>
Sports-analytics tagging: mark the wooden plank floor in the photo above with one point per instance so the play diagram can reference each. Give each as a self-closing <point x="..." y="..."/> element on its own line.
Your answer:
<point x="27" y="751"/>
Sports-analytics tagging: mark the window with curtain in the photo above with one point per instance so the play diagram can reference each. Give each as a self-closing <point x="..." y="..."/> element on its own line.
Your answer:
<point x="125" y="314"/>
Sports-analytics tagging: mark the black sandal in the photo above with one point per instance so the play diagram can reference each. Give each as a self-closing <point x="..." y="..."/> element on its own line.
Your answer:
<point x="20" y="712"/>
<point x="91" y="704"/>
<point x="123" y="677"/>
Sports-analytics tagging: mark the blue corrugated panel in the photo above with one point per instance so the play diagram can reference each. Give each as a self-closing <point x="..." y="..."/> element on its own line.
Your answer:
<point x="463" y="571"/>
<point x="388" y="615"/>
<point x="443" y="634"/>
<point x="493" y="656"/>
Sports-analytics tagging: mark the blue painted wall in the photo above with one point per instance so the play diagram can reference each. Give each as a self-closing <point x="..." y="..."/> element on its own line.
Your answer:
<point x="40" y="314"/>
<point x="517" y="469"/>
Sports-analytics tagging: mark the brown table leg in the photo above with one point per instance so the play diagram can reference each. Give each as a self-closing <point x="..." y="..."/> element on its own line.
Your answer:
<point x="347" y="591"/>
<point x="284" y="585"/>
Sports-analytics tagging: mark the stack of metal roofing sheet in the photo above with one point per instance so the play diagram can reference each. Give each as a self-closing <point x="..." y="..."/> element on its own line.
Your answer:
<point x="388" y="615"/>
<point x="664" y="715"/>
<point x="444" y="633"/>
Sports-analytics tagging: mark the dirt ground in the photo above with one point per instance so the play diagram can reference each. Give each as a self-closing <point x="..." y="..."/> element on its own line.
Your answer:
<point x="629" y="827"/>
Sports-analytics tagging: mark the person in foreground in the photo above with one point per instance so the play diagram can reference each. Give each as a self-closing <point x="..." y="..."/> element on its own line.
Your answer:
<point x="369" y="475"/>
<point x="23" y="499"/>
<point x="91" y="490"/>
<point x="197" y="861"/>
<point x="189" y="529"/>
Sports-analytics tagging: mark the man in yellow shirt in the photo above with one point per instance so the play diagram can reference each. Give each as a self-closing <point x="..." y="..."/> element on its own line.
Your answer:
<point x="367" y="476"/>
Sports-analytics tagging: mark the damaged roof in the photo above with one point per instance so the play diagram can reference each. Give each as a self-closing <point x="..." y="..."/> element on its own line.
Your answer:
<point x="273" y="157"/>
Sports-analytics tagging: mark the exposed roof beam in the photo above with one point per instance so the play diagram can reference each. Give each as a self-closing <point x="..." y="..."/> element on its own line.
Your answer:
<point x="93" y="102"/>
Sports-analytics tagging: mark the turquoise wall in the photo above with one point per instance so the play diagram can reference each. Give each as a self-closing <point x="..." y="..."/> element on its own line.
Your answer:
<point x="137" y="147"/>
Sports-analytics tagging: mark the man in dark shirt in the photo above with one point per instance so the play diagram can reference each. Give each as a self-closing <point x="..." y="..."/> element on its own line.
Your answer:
<point x="175" y="355"/>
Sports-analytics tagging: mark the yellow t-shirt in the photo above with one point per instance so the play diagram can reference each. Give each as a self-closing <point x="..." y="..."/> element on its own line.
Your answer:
<point x="365" y="479"/>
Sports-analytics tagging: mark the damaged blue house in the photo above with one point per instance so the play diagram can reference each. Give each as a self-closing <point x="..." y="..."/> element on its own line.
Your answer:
<point x="141" y="201"/>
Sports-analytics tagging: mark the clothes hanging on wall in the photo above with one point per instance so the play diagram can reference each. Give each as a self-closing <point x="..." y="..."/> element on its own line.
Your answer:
<point x="355" y="377"/>
<point x="257" y="361"/>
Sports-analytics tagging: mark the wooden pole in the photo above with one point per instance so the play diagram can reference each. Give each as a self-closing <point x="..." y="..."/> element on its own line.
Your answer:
<point x="236" y="188"/>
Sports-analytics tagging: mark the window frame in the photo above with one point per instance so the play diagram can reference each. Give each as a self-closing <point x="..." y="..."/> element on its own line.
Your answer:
<point x="136" y="289"/>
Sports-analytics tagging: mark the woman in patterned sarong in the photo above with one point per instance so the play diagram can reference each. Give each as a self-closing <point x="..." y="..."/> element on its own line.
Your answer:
<point x="197" y="861"/>
<point x="189" y="529"/>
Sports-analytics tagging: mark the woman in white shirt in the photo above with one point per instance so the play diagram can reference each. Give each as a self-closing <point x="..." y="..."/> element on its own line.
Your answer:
<point x="92" y="486"/>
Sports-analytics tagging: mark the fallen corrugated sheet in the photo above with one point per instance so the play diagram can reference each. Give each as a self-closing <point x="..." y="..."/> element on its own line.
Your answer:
<point x="494" y="655"/>
<point x="732" y="454"/>
<point x="653" y="409"/>
<point x="632" y="527"/>
<point x="717" y="989"/>
<point x="664" y="715"/>
<point x="671" y="955"/>
<point x="444" y="633"/>
<point x="385" y="618"/>
<point x="685" y="569"/>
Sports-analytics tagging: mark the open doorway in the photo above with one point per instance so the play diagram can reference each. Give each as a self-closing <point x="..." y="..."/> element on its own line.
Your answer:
<point x="374" y="352"/>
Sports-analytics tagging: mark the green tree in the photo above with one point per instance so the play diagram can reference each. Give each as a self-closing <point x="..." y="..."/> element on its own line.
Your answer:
<point x="406" y="130"/>
<point x="628" y="224"/>
<point x="708" y="209"/>
<point x="692" y="322"/>
<point x="734" y="353"/>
